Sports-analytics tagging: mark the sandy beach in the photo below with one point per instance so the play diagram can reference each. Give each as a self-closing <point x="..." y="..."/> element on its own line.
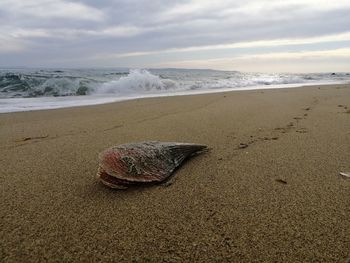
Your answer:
<point x="279" y="198"/>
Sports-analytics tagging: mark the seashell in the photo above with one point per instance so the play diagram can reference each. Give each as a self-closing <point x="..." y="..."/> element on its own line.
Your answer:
<point x="144" y="162"/>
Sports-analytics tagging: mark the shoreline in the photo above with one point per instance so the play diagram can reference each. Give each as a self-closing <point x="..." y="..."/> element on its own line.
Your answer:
<point x="281" y="198"/>
<point x="50" y="103"/>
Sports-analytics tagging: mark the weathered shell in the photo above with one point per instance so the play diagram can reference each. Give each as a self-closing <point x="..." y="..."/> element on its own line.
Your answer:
<point x="144" y="162"/>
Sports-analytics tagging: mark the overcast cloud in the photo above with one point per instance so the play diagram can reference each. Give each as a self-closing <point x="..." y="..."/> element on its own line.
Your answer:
<point x="251" y="35"/>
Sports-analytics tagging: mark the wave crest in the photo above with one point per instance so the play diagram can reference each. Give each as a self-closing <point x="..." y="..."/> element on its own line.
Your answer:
<point x="23" y="85"/>
<point x="137" y="81"/>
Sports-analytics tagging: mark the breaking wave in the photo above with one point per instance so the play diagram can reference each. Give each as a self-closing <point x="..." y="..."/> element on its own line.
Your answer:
<point x="13" y="84"/>
<point x="26" y="83"/>
<point x="137" y="81"/>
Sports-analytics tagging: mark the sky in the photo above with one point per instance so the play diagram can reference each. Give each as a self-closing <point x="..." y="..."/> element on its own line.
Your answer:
<point x="250" y="35"/>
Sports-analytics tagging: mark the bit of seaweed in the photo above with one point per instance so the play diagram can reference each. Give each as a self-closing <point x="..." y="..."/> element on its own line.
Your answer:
<point x="32" y="138"/>
<point x="345" y="175"/>
<point x="281" y="181"/>
<point x="242" y="145"/>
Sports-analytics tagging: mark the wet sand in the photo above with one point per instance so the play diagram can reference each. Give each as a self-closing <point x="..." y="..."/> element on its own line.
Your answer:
<point x="268" y="190"/>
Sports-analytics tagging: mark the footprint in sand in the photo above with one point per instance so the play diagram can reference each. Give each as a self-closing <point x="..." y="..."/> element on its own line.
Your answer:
<point x="281" y="129"/>
<point x="345" y="108"/>
<point x="269" y="138"/>
<point x="290" y="125"/>
<point x="302" y="130"/>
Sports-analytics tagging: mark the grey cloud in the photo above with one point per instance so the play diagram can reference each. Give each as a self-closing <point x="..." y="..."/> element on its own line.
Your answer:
<point x="140" y="25"/>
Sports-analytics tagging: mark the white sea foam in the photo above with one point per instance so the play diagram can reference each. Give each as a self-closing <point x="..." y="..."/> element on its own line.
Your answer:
<point x="24" y="90"/>
<point x="136" y="82"/>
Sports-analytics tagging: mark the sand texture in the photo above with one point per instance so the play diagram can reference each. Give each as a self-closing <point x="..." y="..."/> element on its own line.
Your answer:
<point x="268" y="190"/>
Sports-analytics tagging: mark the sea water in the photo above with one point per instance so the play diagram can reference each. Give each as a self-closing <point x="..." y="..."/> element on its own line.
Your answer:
<point x="35" y="89"/>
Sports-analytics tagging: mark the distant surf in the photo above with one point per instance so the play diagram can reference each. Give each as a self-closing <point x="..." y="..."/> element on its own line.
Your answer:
<point x="34" y="89"/>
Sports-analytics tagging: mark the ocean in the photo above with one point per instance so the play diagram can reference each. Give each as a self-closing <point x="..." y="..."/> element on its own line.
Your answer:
<point x="35" y="89"/>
